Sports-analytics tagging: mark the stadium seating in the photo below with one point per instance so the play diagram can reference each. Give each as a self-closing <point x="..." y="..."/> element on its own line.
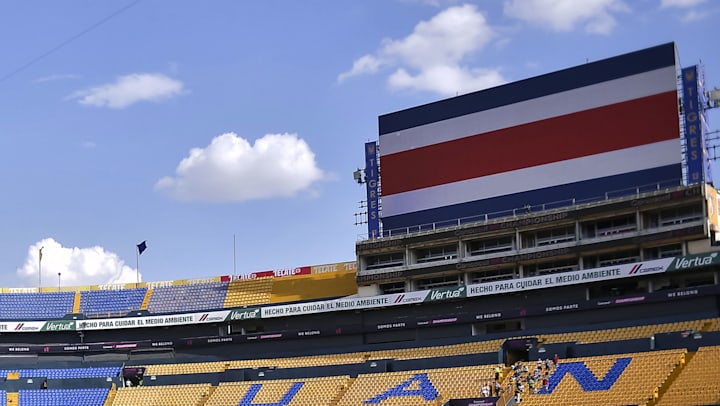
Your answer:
<point x="627" y="333"/>
<point x="613" y="379"/>
<point x="697" y="383"/>
<point x="249" y="292"/>
<point x="165" y="395"/>
<point x="416" y="388"/>
<point x="303" y="392"/>
<point x="111" y="303"/>
<point x="326" y="359"/>
<point x="307" y="287"/>
<point x="191" y="297"/>
<point x="62" y="397"/>
<point x="36" y="306"/>
<point x="63" y="373"/>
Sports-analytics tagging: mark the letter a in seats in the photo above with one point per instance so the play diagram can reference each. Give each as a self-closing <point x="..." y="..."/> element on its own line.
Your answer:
<point x="425" y="389"/>
<point x="288" y="397"/>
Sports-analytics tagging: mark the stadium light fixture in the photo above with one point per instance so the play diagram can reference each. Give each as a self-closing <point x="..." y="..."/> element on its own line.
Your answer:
<point x="714" y="98"/>
<point x="358" y="176"/>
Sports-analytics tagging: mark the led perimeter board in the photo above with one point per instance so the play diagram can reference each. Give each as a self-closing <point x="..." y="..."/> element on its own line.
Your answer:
<point x="605" y="126"/>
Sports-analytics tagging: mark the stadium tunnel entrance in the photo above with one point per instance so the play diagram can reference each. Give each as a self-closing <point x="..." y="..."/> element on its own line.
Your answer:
<point x="518" y="349"/>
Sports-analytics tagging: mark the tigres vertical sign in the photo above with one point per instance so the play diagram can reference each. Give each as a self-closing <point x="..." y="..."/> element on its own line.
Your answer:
<point x="373" y="188"/>
<point x="692" y="116"/>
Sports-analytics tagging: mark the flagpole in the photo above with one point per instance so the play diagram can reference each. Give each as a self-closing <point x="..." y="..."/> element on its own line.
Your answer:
<point x="139" y="249"/>
<point x="234" y="258"/>
<point x="40" y="267"/>
<point x="137" y="266"/>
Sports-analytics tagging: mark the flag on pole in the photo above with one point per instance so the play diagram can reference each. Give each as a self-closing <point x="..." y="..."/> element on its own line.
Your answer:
<point x="142" y="247"/>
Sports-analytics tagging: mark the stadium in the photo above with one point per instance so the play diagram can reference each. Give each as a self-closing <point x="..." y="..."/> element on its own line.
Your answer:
<point x="548" y="241"/>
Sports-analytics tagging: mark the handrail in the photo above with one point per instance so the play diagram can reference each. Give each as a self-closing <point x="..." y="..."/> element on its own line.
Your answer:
<point x="484" y="218"/>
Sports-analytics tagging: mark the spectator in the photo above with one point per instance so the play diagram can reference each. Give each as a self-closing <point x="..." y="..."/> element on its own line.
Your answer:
<point x="485" y="390"/>
<point x="556" y="359"/>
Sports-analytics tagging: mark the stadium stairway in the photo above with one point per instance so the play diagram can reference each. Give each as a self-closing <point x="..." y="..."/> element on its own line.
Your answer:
<point x="146" y="299"/>
<point x="660" y="391"/>
<point x="206" y="395"/>
<point x="76" y="303"/>
<point x="342" y="392"/>
<point x="111" y="396"/>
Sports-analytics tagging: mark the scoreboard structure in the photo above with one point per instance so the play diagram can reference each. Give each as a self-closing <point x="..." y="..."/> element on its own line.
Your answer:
<point x="597" y="165"/>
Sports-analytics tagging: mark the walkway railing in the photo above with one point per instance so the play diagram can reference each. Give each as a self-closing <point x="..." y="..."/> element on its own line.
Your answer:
<point x="479" y="219"/>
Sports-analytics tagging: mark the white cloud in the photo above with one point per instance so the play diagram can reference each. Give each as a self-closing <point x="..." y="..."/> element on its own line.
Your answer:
<point x="230" y="169"/>
<point x="596" y="16"/>
<point x="694" y="15"/>
<point x="443" y="79"/>
<point x="430" y="57"/>
<point x="680" y="3"/>
<point x="52" y="78"/>
<point x="365" y="64"/>
<point x="77" y="266"/>
<point x="128" y="90"/>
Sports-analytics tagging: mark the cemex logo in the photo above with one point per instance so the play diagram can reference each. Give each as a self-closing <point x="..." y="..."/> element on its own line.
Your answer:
<point x="637" y="269"/>
<point x="208" y="317"/>
<point x="585" y="377"/>
<point x="26" y="327"/>
<point x="403" y="298"/>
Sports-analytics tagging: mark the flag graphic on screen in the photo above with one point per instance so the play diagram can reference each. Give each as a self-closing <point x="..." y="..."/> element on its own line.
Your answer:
<point x="577" y="133"/>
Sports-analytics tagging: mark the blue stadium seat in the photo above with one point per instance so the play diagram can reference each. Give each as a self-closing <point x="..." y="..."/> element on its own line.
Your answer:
<point x="63" y="397"/>
<point x="36" y="306"/>
<point x="193" y="297"/>
<point x="98" y="303"/>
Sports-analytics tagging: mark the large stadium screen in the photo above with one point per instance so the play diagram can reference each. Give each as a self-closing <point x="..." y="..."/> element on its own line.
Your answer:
<point x="604" y="126"/>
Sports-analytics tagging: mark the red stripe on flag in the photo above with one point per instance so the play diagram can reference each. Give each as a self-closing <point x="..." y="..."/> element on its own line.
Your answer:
<point x="608" y="128"/>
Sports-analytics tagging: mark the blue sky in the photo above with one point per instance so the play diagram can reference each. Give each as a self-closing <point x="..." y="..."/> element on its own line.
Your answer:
<point x="184" y="123"/>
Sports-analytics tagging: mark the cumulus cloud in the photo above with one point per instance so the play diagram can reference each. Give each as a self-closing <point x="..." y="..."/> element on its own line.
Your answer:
<point x="56" y="77"/>
<point x="364" y="64"/>
<point x="77" y="266"/>
<point x="128" y="90"/>
<point x="694" y="15"/>
<point x="430" y="58"/>
<point x="231" y="169"/>
<point x="596" y="16"/>
<point x="691" y="14"/>
<point x="680" y="3"/>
